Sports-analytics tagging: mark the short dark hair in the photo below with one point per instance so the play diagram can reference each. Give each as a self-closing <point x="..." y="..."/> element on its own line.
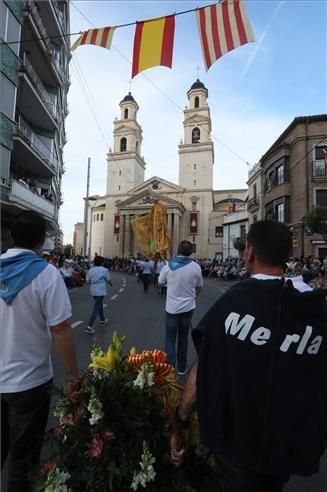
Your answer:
<point x="185" y="248"/>
<point x="98" y="260"/>
<point x="272" y="241"/>
<point x="28" y="229"/>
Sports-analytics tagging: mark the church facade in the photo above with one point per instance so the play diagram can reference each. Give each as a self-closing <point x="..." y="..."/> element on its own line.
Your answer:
<point x="195" y="211"/>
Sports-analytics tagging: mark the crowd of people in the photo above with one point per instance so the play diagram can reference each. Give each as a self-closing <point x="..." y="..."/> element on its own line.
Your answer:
<point x="312" y="270"/>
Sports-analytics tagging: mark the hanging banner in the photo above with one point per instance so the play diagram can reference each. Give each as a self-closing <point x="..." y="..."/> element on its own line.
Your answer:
<point x="194" y="222"/>
<point x="153" y="44"/>
<point x="99" y="37"/>
<point x="116" y="224"/>
<point x="222" y="28"/>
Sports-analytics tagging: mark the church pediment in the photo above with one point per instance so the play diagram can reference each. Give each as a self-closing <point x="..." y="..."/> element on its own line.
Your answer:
<point x="146" y="198"/>
<point x="158" y="185"/>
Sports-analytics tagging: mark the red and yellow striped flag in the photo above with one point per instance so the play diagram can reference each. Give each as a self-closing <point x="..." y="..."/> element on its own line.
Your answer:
<point x="153" y="44"/>
<point x="222" y="28"/>
<point x="99" y="37"/>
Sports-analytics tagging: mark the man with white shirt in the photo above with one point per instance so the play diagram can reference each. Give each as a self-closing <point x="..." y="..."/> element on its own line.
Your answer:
<point x="34" y="312"/>
<point x="184" y="281"/>
<point x="260" y="384"/>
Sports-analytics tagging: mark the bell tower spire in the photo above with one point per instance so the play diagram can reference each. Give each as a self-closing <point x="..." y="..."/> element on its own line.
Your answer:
<point x="125" y="164"/>
<point x="196" y="152"/>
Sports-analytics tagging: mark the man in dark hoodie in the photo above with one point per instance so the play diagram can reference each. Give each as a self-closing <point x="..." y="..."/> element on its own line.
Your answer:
<point x="34" y="311"/>
<point x="260" y="384"/>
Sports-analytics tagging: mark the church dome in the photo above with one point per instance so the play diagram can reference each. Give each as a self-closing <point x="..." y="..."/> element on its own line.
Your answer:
<point x="198" y="85"/>
<point x="129" y="97"/>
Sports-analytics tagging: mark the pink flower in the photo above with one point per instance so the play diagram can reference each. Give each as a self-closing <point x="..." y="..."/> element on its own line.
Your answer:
<point x="96" y="446"/>
<point x="57" y="431"/>
<point x="47" y="467"/>
<point x="69" y="420"/>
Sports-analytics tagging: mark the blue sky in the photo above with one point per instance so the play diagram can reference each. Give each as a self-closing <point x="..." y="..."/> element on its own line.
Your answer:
<point x="254" y="91"/>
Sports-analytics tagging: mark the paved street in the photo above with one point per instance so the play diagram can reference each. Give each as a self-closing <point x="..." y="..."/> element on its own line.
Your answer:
<point x="141" y="318"/>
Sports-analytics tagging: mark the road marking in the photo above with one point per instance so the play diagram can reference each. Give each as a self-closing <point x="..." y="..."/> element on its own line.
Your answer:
<point x="221" y="289"/>
<point x="76" y="324"/>
<point x="113" y="297"/>
<point x="121" y="290"/>
<point x="105" y="305"/>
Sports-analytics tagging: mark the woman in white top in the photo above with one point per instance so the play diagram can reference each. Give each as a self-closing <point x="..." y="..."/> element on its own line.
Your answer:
<point x="97" y="277"/>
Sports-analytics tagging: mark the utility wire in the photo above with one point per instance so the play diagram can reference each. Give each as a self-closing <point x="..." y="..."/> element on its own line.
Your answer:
<point x="116" y="27"/>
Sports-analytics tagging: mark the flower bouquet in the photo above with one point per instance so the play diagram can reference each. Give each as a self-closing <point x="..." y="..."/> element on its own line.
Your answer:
<point x="113" y="433"/>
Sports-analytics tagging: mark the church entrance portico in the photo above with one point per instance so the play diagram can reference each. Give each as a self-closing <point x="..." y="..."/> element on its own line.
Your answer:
<point x="142" y="205"/>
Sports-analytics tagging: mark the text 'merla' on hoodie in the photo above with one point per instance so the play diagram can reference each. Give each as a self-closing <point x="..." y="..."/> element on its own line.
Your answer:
<point x="262" y="377"/>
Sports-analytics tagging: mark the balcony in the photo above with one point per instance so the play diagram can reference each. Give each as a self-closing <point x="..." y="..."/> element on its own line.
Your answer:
<point x="319" y="170"/>
<point x="41" y="32"/>
<point x="22" y="195"/>
<point x="31" y="149"/>
<point x="253" y="204"/>
<point x="37" y="104"/>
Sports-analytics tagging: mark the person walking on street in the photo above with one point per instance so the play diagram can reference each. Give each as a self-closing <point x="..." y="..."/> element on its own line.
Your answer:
<point x="184" y="282"/>
<point x="260" y="383"/>
<point x="98" y="276"/>
<point x="34" y="311"/>
<point x="147" y="273"/>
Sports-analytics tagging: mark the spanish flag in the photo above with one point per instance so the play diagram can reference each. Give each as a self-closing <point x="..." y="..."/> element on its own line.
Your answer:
<point x="153" y="44"/>
<point x="99" y="37"/>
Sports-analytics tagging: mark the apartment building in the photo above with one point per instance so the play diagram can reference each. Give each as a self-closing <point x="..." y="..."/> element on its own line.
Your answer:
<point x="254" y="200"/>
<point x="34" y="82"/>
<point x="294" y="179"/>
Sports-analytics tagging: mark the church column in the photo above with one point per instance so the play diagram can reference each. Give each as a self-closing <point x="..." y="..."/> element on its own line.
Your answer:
<point x="123" y="236"/>
<point x="169" y="230"/>
<point x="127" y="230"/>
<point x="176" y="232"/>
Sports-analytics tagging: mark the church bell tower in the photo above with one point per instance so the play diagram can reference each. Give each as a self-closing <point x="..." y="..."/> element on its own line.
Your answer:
<point x="125" y="165"/>
<point x="196" y="152"/>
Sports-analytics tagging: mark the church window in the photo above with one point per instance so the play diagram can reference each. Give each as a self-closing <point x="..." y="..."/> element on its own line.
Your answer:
<point x="137" y="146"/>
<point x="94" y="217"/>
<point x="126" y="114"/>
<point x="219" y="231"/>
<point x="194" y="204"/>
<point x="194" y="182"/>
<point x="119" y="173"/>
<point x="101" y="218"/>
<point x="194" y="167"/>
<point x="118" y="187"/>
<point x="196" y="102"/>
<point x="196" y="135"/>
<point x="97" y="217"/>
<point x="123" y="144"/>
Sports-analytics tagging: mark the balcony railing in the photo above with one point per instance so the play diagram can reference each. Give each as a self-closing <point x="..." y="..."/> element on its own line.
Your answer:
<point x="53" y="53"/>
<point x="253" y="203"/>
<point x="319" y="169"/>
<point x="26" y="132"/>
<point x="43" y="93"/>
<point x="21" y="194"/>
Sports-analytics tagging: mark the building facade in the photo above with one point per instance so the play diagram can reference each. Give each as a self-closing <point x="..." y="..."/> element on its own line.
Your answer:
<point x="34" y="82"/>
<point x="294" y="179"/>
<point x="195" y="211"/>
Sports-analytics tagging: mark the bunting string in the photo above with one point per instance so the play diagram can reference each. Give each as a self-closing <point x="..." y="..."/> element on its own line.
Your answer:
<point x="223" y="27"/>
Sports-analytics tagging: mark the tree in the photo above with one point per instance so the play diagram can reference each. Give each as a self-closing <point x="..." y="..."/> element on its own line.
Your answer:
<point x="316" y="220"/>
<point x="239" y="244"/>
<point x="68" y="249"/>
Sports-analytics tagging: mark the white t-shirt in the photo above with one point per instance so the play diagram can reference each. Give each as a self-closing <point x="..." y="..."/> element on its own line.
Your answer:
<point x="25" y="337"/>
<point x="181" y="287"/>
<point x="97" y="277"/>
<point x="298" y="282"/>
